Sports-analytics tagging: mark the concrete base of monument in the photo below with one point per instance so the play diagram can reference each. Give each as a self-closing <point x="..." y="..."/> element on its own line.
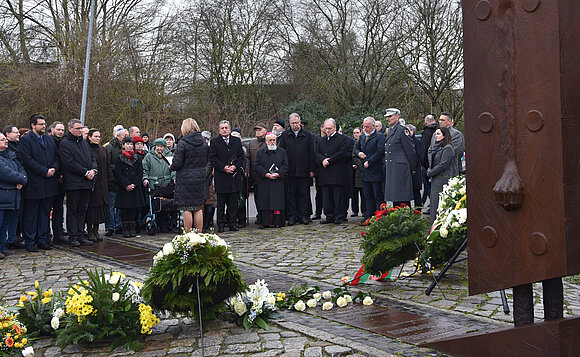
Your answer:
<point x="552" y="338"/>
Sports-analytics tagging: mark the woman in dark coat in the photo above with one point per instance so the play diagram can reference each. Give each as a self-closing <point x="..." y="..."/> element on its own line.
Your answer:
<point x="12" y="178"/>
<point x="98" y="211"/>
<point x="271" y="168"/>
<point x="190" y="161"/>
<point x="442" y="166"/>
<point x="129" y="176"/>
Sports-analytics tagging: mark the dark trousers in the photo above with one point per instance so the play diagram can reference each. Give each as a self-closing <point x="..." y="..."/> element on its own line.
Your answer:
<point x="36" y="221"/>
<point x="231" y="200"/>
<point x="373" y="197"/>
<point x="58" y="216"/>
<point x="127" y="214"/>
<point x="318" y="199"/>
<point x="524" y="302"/>
<point x="297" y="197"/>
<point x="417" y="197"/>
<point x="332" y="197"/>
<point x="426" y="187"/>
<point x="114" y="213"/>
<point x="357" y="192"/>
<point x="77" y="203"/>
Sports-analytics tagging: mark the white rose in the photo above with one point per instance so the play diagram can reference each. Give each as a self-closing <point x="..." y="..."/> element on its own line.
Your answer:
<point x="443" y="232"/>
<point x="327" y="295"/>
<point x="55" y="323"/>
<point x="114" y="279"/>
<point x="368" y="301"/>
<point x="168" y="249"/>
<point x="317" y="296"/>
<point x="28" y="352"/>
<point x="58" y="313"/>
<point x="312" y="302"/>
<point x="348" y="298"/>
<point x="116" y="297"/>
<point x="455" y="225"/>
<point x="327" y="305"/>
<point x="462" y="190"/>
<point x="240" y="308"/>
<point x="300" y="306"/>
<point x="341" y="302"/>
<point x="271" y="300"/>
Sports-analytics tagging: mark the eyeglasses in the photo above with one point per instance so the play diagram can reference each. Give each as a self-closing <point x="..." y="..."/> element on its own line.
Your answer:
<point x="79" y="128"/>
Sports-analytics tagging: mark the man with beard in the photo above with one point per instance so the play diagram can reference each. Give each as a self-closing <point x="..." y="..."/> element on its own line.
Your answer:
<point x="39" y="155"/>
<point x="271" y="167"/>
<point x="278" y="127"/>
<point x="299" y="146"/>
<point x="253" y="147"/>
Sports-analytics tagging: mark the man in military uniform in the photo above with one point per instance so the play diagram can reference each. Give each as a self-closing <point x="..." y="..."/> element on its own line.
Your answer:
<point x="399" y="158"/>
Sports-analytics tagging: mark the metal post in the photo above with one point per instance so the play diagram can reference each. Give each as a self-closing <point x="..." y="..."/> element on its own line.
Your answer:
<point x="87" y="62"/>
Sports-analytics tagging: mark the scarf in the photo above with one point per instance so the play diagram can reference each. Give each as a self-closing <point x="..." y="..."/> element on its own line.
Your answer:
<point x="129" y="154"/>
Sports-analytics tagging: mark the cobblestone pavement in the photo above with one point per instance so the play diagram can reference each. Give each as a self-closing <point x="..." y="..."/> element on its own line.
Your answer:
<point x="316" y="254"/>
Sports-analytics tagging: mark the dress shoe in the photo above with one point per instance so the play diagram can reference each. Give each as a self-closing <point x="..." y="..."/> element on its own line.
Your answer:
<point x="317" y="216"/>
<point x="338" y="221"/>
<point x="44" y="246"/>
<point x="8" y="252"/>
<point x="345" y="219"/>
<point x="326" y="222"/>
<point x="234" y="228"/>
<point x="16" y="245"/>
<point x="304" y="221"/>
<point x="60" y="240"/>
<point x="84" y="241"/>
<point x="109" y="233"/>
<point x="221" y="229"/>
<point x="291" y="221"/>
<point x="74" y="243"/>
<point x="354" y="215"/>
<point x="2" y="256"/>
<point x="32" y="248"/>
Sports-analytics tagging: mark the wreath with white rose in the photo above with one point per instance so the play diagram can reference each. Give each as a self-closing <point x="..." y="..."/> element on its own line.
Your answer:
<point x="188" y="259"/>
<point x="451" y="222"/>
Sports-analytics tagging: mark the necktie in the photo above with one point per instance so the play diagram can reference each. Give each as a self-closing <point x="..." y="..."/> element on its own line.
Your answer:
<point x="227" y="139"/>
<point x="366" y="138"/>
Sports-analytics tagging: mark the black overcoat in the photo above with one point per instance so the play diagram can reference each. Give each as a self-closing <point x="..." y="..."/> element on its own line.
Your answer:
<point x="222" y="155"/>
<point x="374" y="149"/>
<point x="300" y="151"/>
<point x="100" y="193"/>
<point x="334" y="149"/>
<point x="37" y="159"/>
<point x="129" y="172"/>
<point x="400" y="158"/>
<point x="76" y="159"/>
<point x="271" y="192"/>
<point x="416" y="171"/>
<point x="190" y="161"/>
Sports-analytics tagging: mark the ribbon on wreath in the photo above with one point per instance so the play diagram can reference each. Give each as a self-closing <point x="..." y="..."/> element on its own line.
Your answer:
<point x="361" y="277"/>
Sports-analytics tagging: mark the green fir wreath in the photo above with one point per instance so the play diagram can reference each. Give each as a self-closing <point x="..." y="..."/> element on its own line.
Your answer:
<point x="177" y="268"/>
<point x="389" y="240"/>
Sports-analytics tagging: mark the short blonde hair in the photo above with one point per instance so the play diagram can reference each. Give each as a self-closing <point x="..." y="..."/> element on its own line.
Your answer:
<point x="189" y="126"/>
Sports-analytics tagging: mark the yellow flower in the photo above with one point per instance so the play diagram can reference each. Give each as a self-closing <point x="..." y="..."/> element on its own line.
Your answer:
<point x="33" y="294"/>
<point x="280" y="296"/>
<point x="36" y="284"/>
<point x="46" y="300"/>
<point x="147" y="319"/>
<point x="23" y="298"/>
<point x="48" y="293"/>
<point x="24" y="341"/>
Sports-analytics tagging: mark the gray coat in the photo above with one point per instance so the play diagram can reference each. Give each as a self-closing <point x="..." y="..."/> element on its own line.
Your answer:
<point x="442" y="166"/>
<point x="399" y="158"/>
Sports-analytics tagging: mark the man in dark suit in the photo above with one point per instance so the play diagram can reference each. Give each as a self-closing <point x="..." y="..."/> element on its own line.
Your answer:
<point x="79" y="169"/>
<point x="227" y="158"/>
<point x="330" y="154"/>
<point x="39" y="156"/>
<point x="430" y="126"/>
<point x="400" y="159"/>
<point x="371" y="149"/>
<point x="299" y="145"/>
<point x="416" y="171"/>
<point x="348" y="174"/>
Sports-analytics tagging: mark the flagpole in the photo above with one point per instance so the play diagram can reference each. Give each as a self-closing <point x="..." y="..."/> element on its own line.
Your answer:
<point x="87" y="62"/>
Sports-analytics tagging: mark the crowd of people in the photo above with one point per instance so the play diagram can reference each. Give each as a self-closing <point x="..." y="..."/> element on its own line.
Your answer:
<point x="40" y="166"/>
